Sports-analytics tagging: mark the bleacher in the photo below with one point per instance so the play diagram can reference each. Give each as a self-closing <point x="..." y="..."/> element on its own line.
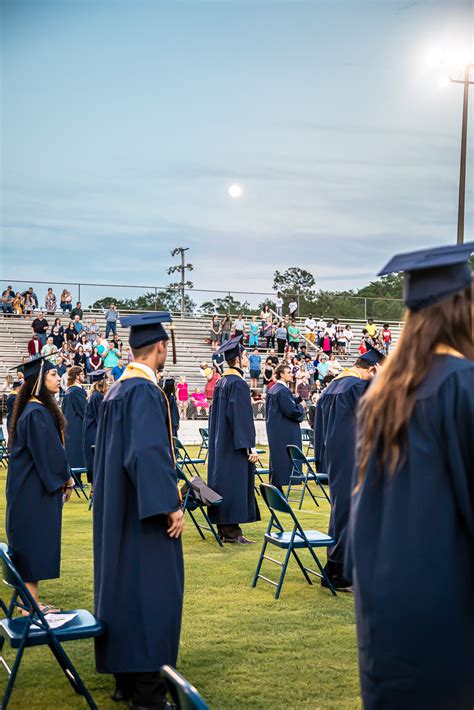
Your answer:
<point x="191" y="342"/>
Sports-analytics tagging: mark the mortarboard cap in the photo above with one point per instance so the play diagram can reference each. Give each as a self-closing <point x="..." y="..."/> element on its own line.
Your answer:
<point x="231" y="349"/>
<point x="98" y="375"/>
<point x="146" y="328"/>
<point x="33" y="367"/>
<point x="432" y="274"/>
<point x="373" y="356"/>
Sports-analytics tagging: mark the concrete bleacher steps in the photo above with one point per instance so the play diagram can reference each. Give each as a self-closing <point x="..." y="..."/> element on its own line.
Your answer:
<point x="190" y="334"/>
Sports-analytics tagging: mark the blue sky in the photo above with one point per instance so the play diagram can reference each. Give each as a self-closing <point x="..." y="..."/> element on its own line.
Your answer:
<point x="124" y="123"/>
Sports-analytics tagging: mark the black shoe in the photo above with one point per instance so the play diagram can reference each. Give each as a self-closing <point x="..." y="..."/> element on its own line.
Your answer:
<point x="241" y="540"/>
<point x="229" y="540"/>
<point x="340" y="584"/>
<point x="118" y="696"/>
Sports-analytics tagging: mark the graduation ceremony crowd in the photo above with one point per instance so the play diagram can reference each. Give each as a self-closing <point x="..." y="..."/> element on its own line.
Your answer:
<point x="393" y="433"/>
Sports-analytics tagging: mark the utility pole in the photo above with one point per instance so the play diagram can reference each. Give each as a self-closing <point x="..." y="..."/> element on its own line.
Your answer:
<point x="181" y="269"/>
<point x="462" y="171"/>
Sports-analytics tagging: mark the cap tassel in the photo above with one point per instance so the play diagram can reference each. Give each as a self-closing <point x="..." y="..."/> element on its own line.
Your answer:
<point x="39" y="381"/>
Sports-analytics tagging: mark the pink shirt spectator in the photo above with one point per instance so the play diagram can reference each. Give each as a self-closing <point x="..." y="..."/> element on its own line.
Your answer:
<point x="182" y="388"/>
<point x="200" y="399"/>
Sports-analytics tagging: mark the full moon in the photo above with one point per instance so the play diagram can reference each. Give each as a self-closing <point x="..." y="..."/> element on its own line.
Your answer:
<point x="235" y="191"/>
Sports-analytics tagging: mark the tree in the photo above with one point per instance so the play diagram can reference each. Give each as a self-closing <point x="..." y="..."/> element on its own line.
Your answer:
<point x="294" y="281"/>
<point x="225" y="305"/>
<point x="167" y="300"/>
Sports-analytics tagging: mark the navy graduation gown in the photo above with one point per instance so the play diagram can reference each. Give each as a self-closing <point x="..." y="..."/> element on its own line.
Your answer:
<point x="174" y="414"/>
<point x="231" y="435"/>
<point x="74" y="407"/>
<point x="283" y="413"/>
<point x="89" y="429"/>
<point x="11" y="399"/>
<point x="36" y="473"/>
<point x="334" y="451"/>
<point x="411" y="541"/>
<point x="138" y="568"/>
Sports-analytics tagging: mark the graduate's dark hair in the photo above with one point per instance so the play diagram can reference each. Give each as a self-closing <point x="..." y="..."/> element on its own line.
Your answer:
<point x="280" y="369"/>
<point x="101" y="386"/>
<point x="384" y="412"/>
<point x="45" y="397"/>
<point x="169" y="387"/>
<point x="363" y="364"/>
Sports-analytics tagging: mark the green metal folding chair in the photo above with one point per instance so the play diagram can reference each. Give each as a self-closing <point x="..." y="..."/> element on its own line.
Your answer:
<point x="191" y="503"/>
<point x="4" y="453"/>
<point x="34" y="630"/>
<point x="295" y="538"/>
<point x="302" y="474"/>
<point x="76" y="474"/>
<point x="184" y="459"/>
<point x="307" y="439"/>
<point x="204" y="442"/>
<point x="185" y="696"/>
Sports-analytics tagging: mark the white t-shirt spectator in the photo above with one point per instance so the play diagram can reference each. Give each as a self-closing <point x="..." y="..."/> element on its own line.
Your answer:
<point x="293" y="307"/>
<point x="322" y="325"/>
<point x="239" y="324"/>
<point x="279" y="302"/>
<point x="310" y="325"/>
<point x="348" y="334"/>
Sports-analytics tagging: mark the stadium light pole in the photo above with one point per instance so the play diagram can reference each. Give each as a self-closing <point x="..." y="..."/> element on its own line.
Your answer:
<point x="182" y="268"/>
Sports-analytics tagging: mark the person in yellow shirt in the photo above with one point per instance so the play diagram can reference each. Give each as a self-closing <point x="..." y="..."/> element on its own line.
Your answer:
<point x="371" y="328"/>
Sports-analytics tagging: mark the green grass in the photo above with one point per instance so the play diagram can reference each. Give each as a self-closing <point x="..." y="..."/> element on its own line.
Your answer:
<point x="240" y="647"/>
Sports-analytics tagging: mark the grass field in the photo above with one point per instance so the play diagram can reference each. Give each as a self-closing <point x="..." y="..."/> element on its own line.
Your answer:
<point x="240" y="647"/>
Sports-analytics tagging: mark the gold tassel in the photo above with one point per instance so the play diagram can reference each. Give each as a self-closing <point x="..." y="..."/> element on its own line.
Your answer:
<point x="173" y="344"/>
<point x="39" y="381"/>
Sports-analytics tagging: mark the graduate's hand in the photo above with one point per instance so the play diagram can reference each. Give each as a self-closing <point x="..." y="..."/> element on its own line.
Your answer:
<point x="253" y="458"/>
<point x="68" y="489"/>
<point x="176" y="523"/>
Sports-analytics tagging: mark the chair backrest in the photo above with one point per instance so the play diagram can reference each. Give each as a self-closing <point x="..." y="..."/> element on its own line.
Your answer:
<point x="2" y="435"/>
<point x="180" y="474"/>
<point x="306" y="434"/>
<point x="275" y="499"/>
<point x="204" y="433"/>
<point x="184" y="695"/>
<point x="12" y="578"/>
<point x="296" y="455"/>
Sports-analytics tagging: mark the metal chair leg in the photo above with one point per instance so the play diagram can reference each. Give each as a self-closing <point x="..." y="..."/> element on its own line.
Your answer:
<point x="283" y="571"/>
<point x="14" y="671"/>
<point x="259" y="564"/>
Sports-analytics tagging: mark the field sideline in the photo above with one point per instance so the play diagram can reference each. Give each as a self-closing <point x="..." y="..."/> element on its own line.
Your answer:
<point x="240" y="647"/>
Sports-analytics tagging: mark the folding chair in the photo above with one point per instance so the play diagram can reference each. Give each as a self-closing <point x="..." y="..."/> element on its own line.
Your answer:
<point x="185" y="696"/>
<point x="34" y="630"/>
<point x="290" y="540"/>
<point x="184" y="459"/>
<point x="76" y="474"/>
<point x="4" y="453"/>
<point x="204" y="442"/>
<point x="297" y="477"/>
<point x="191" y="503"/>
<point x="307" y="438"/>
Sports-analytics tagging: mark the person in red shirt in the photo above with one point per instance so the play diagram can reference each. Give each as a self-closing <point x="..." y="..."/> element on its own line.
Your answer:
<point x="387" y="338"/>
<point x="34" y="345"/>
<point x="183" y="397"/>
<point x="211" y="385"/>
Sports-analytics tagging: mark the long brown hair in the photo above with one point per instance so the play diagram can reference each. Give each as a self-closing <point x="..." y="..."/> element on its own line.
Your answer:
<point x="45" y="397"/>
<point x="388" y="405"/>
<point x="102" y="386"/>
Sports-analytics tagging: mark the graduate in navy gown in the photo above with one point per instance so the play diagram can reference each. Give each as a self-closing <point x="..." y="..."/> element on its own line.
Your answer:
<point x="138" y="557"/>
<point x="38" y="480"/>
<point x="411" y="533"/>
<point x="232" y="454"/>
<point x="283" y="413"/>
<point x="334" y="452"/>
<point x="11" y="399"/>
<point x="170" y="391"/>
<point x="74" y="408"/>
<point x="97" y="392"/>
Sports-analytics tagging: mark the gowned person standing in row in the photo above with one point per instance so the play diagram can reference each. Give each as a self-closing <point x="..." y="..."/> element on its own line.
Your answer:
<point x="138" y="521"/>
<point x="412" y="515"/>
<point x="74" y="407"/>
<point x="97" y="392"/>
<point x="232" y="454"/>
<point x="38" y="481"/>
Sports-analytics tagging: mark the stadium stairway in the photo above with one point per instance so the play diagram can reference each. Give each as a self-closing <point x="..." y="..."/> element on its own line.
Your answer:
<point x="191" y="342"/>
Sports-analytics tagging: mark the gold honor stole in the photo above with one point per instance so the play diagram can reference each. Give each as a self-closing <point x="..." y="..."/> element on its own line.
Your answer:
<point x="349" y="372"/>
<point x="442" y="349"/>
<point x="131" y="372"/>
<point x="231" y="371"/>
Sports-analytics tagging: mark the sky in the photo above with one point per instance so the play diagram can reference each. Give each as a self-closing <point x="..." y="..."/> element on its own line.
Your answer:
<point x="125" y="122"/>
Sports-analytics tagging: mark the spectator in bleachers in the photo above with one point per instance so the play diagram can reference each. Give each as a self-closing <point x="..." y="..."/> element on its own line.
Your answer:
<point x="60" y="330"/>
<point x="365" y="342"/>
<point x="210" y="386"/>
<point x="334" y="366"/>
<point x="273" y="356"/>
<point x="239" y="325"/>
<point x="348" y="335"/>
<point x="6" y="301"/>
<point x="183" y="397"/>
<point x="326" y="343"/>
<point x="87" y="347"/>
<point x="70" y="334"/>
<point x="255" y="361"/>
<point x="31" y="295"/>
<point x="323" y="367"/>
<point x="302" y="382"/>
<point x="214" y="332"/>
<point x="268" y="373"/>
<point x="17" y="304"/>
<point x="281" y="336"/>
<point x="65" y="301"/>
<point x="371" y="328"/>
<point x="78" y="327"/>
<point x="61" y="366"/>
<point x="310" y="328"/>
<point x="310" y="369"/>
<point x="279" y="305"/>
<point x="295" y="366"/>
<point x="269" y="330"/>
<point x="111" y="358"/>
<point x="28" y="303"/>
<point x="127" y="355"/>
<point x="80" y="358"/>
<point x="321" y="325"/>
<point x="294" y="334"/>
<point x="253" y="333"/>
<point x="77" y="311"/>
<point x="50" y="302"/>
<point x="302" y="352"/>
<point x="103" y="346"/>
<point x="386" y="338"/>
<point x="293" y="309"/>
<point x="92" y="331"/>
<point x="226" y="329"/>
<point x="111" y="316"/>
<point x="265" y="317"/>
<point x="50" y="350"/>
<point x="118" y="370"/>
<point x="40" y="326"/>
<point x="95" y="361"/>
<point x="6" y="386"/>
<point x="340" y="340"/>
<point x="200" y="402"/>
